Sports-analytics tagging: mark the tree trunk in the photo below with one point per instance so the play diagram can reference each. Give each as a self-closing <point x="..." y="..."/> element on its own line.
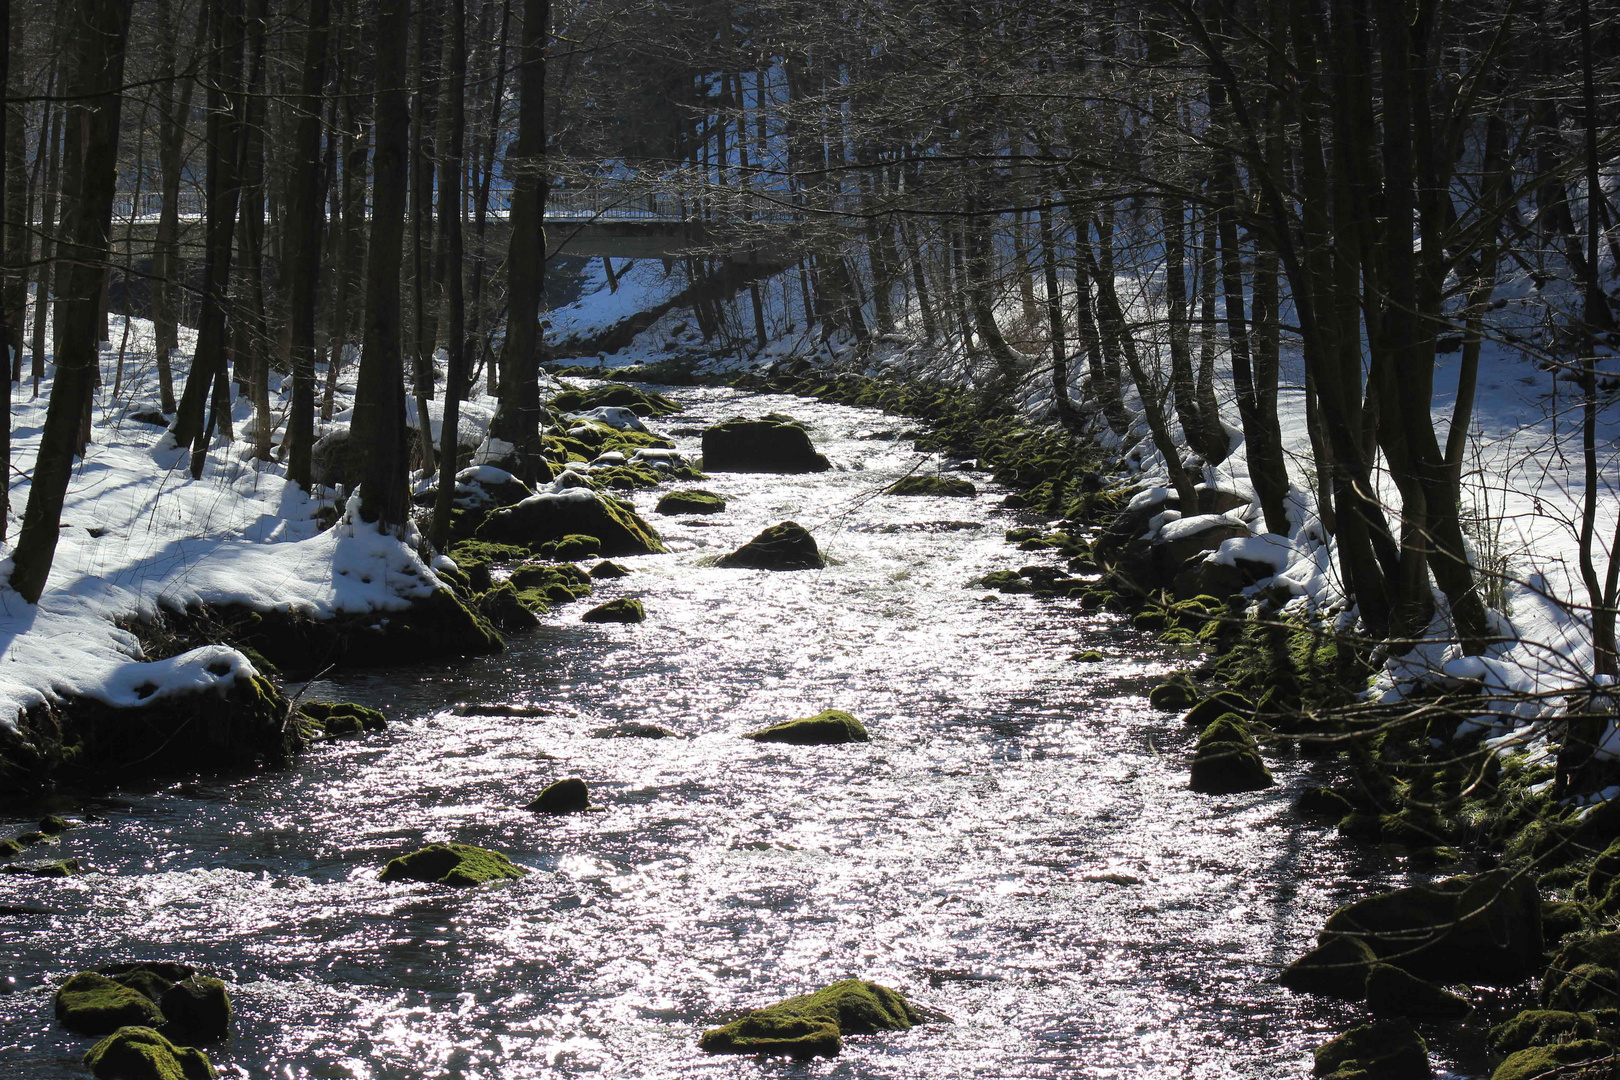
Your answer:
<point x="454" y="310"/>
<point x="306" y="227"/>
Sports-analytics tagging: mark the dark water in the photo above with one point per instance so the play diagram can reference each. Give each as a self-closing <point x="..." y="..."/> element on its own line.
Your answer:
<point x="959" y="857"/>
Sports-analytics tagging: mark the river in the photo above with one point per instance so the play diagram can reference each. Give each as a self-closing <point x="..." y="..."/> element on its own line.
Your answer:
<point x="1016" y="847"/>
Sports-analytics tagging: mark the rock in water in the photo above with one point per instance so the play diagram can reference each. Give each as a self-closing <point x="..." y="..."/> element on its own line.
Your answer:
<point x="1227" y="759"/>
<point x="1538" y="1027"/>
<point x="786" y="546"/>
<point x="460" y="865"/>
<point x="564" y="797"/>
<point x="199" y="1008"/>
<point x="1545" y="1061"/>
<point x="92" y="1004"/>
<point x="1480" y="929"/>
<point x="828" y="727"/>
<point x="944" y="487"/>
<point x="604" y="570"/>
<point x="691" y="502"/>
<point x="814" y="1024"/>
<point x="573" y="511"/>
<point x="740" y="445"/>
<point x="140" y="1053"/>
<point x="1175" y="693"/>
<point x="1338" y="968"/>
<point x="1382" y="1050"/>
<point x="1392" y="992"/>
<point x="622" y="610"/>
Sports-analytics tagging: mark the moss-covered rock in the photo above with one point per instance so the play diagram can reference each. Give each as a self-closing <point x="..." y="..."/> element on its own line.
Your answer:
<point x="478" y="557"/>
<point x="1392" y="992"/>
<point x="1336" y="968"/>
<point x="1587" y="987"/>
<point x="618" y="395"/>
<point x="1558" y="1061"/>
<point x="198" y="1009"/>
<point x="333" y="718"/>
<point x="940" y="487"/>
<point x="56" y="868"/>
<point x="93" y="1004"/>
<point x="141" y="1053"/>
<point x="1480" y="929"/>
<point x="604" y="571"/>
<point x="52" y="825"/>
<point x="1559" y="919"/>
<point x="1089" y="656"/>
<point x="1384" y="1049"/>
<point x="508" y="610"/>
<point x="570" y="548"/>
<point x="1216" y="706"/>
<point x="1175" y="693"/>
<point x="1227" y="759"/>
<point x="784" y="546"/>
<point x="631" y="729"/>
<point x="828" y="727"/>
<point x="1005" y="581"/>
<point x="1538" y="1027"/>
<point x="460" y="865"/>
<point x="549" y="583"/>
<point x="814" y="1024"/>
<point x="568" y="796"/>
<point x="1323" y="802"/>
<point x="690" y="501"/>
<point x="740" y="445"/>
<point x="623" y="610"/>
<point x="573" y="511"/>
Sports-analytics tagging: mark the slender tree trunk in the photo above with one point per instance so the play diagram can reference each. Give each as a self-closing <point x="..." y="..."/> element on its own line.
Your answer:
<point x="96" y="62"/>
<point x="47" y="246"/>
<point x="304" y="245"/>
<point x="454" y="310"/>
<point x="174" y="112"/>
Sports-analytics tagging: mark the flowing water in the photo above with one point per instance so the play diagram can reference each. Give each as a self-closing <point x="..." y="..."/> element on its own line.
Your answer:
<point x="1016" y="847"/>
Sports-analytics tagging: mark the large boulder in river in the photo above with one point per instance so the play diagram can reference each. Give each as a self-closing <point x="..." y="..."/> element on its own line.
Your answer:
<point x="94" y="1004"/>
<point x="460" y="865"/>
<point x="572" y="511"/>
<point x="1227" y="759"/>
<point x="784" y="546"/>
<point x="768" y="446"/>
<point x="827" y="728"/>
<point x="1382" y="1050"/>
<point x="813" y="1025"/>
<point x="1480" y="929"/>
<point x="141" y="1053"/>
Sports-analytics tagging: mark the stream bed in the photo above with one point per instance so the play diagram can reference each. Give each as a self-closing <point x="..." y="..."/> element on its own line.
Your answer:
<point x="1016" y="847"/>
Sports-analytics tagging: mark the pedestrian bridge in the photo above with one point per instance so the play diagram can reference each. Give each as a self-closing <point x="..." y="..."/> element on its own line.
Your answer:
<point x="584" y="222"/>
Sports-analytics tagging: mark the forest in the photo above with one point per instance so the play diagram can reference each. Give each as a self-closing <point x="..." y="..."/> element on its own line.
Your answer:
<point x="1277" y="337"/>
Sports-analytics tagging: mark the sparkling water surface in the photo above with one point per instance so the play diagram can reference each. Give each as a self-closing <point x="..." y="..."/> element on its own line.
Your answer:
<point x="1016" y="847"/>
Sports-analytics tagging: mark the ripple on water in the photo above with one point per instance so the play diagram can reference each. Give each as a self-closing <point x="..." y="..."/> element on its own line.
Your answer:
<point x="1016" y="847"/>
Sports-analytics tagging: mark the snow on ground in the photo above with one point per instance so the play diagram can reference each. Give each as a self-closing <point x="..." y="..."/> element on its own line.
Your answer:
<point x="139" y="534"/>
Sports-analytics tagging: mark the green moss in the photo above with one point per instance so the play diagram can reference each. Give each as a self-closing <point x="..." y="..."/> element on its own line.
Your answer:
<point x="691" y="501"/>
<point x="1151" y="620"/>
<point x="1006" y="581"/>
<point x="571" y="547"/>
<point x="814" y="1024"/>
<point x="626" y="477"/>
<point x="1089" y="656"/>
<point x="1227" y="760"/>
<point x="627" y="442"/>
<point x="452" y="864"/>
<point x="567" y="796"/>
<point x="828" y="727"/>
<point x="1322" y="802"/>
<point x="554" y="584"/>
<point x="786" y="545"/>
<point x="623" y="610"/>
<point x="641" y="402"/>
<point x="1174" y="694"/>
<point x="1543" y="1062"/>
<point x="471" y="553"/>
<point x="9" y="848"/>
<point x="140" y="1053"/>
<point x="52" y="825"/>
<point x="1182" y="638"/>
<point x="1587" y="987"/>
<point x="144" y="980"/>
<point x="1387" y="1049"/>
<point x="339" y="718"/>
<point x="59" y="868"/>
<point x="1537" y="1027"/>
<point x="92" y="1004"/>
<point x="946" y="487"/>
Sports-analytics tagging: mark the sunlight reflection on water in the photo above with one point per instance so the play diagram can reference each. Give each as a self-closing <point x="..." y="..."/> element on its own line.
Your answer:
<point x="960" y="856"/>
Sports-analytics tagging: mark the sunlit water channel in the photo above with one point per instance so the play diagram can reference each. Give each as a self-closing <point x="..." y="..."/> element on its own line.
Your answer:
<point x="1016" y="847"/>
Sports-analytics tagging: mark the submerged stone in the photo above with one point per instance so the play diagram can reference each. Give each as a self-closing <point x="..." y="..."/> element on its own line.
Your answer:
<point x="813" y="1025"/>
<point x="93" y="1004"/>
<point x="623" y="610"/>
<point x="564" y="797"/>
<point x="1384" y="1049"/>
<point x="691" y="501"/>
<point x="942" y="487"/>
<point x="198" y="1007"/>
<point x="460" y="865"/>
<point x="784" y="546"/>
<point x="827" y="728"/>
<point x="140" y="1053"/>
<point x="1089" y="656"/>
<point x="340" y="717"/>
<point x="632" y="730"/>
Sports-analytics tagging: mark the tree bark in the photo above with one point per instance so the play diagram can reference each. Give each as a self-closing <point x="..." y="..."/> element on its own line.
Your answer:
<point x="306" y="226"/>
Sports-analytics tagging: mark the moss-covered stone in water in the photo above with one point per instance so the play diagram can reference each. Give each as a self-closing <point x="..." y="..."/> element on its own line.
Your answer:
<point x="1387" y="1049"/>
<point x="154" y="984"/>
<point x="1089" y="656"/>
<point x="1006" y="581"/>
<point x="605" y="570"/>
<point x="690" y="501"/>
<point x="51" y="825"/>
<point x="1151" y="620"/>
<point x="1216" y="706"/>
<point x="9" y="848"/>
<point x="627" y="477"/>
<point x="509" y="610"/>
<point x="1336" y="968"/>
<point x="1587" y="987"/>
<point x="342" y="717"/>
<point x="1176" y="692"/>
<point x="1392" y="992"/>
<point x="641" y="402"/>
<point x="471" y="554"/>
<point x="555" y="584"/>
<point x="786" y="545"/>
<point x="141" y="1053"/>
<point x="1181" y="638"/>
<point x="623" y="610"/>
<point x="460" y="865"/>
<point x="828" y="727"/>
<point x="58" y="868"/>
<point x="199" y="1008"/>
<point x="1323" y="802"/>
<point x="1227" y="760"/>
<point x="568" y="796"/>
<point x="92" y="1004"/>
<point x="571" y="547"/>
<point x="939" y="487"/>
<point x="1560" y="918"/>
<point x="814" y="1024"/>
<point x="1546" y="1062"/>
<point x="1538" y="1027"/>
